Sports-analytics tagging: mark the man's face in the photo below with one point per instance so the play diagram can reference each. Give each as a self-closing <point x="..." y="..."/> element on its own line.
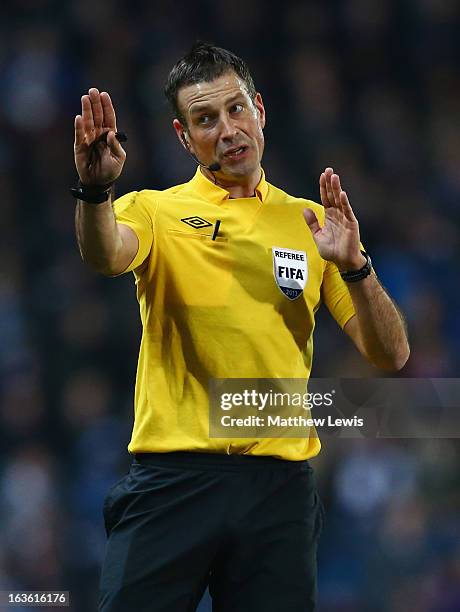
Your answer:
<point x="223" y="125"/>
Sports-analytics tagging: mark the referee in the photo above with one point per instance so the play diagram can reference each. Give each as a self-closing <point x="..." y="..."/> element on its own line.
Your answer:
<point x="229" y="272"/>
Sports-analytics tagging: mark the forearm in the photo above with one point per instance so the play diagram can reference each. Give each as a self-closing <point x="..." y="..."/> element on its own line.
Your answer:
<point x="382" y="332"/>
<point x="98" y="237"/>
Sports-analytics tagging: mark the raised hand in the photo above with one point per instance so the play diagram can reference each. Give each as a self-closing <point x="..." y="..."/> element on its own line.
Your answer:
<point x="99" y="159"/>
<point x="338" y="239"/>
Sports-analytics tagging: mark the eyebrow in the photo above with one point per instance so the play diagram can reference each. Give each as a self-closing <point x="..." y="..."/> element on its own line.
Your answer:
<point x="203" y="106"/>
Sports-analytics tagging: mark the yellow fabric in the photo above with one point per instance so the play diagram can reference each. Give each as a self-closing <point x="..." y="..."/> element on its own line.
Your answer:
<point x="212" y="308"/>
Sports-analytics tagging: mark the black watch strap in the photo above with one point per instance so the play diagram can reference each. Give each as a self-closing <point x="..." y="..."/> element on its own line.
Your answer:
<point x="93" y="194"/>
<point x="351" y="276"/>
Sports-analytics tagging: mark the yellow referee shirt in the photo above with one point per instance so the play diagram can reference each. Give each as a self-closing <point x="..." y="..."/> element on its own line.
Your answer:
<point x="228" y="307"/>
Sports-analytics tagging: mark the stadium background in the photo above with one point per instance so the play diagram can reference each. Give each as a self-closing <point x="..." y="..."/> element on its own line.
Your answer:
<point x="370" y="87"/>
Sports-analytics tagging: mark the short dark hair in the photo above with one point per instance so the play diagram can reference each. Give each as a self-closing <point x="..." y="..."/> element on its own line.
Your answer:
<point x="204" y="63"/>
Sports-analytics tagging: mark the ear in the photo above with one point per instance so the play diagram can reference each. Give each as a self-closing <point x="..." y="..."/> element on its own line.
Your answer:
<point x="181" y="134"/>
<point x="261" y="110"/>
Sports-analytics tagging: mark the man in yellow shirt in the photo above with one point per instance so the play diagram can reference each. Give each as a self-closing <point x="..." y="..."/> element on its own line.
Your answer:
<point x="229" y="278"/>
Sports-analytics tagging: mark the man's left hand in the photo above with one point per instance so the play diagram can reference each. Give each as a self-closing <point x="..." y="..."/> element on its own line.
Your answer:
<point x="338" y="239"/>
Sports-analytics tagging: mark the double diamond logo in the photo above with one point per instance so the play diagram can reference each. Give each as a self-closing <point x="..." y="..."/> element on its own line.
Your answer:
<point x="196" y="222"/>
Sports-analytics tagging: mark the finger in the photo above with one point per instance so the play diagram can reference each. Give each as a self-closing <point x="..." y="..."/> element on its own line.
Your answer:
<point x="342" y="202"/>
<point x="346" y="207"/>
<point x="336" y="189"/>
<point x="115" y="147"/>
<point x="312" y="220"/>
<point x="87" y="114"/>
<point x="329" y="191"/>
<point x="79" y="131"/>
<point x="323" y="191"/>
<point x="96" y="106"/>
<point x="109" y="119"/>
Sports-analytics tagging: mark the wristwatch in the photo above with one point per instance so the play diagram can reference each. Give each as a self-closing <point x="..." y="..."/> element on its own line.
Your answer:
<point x="351" y="276"/>
<point x="93" y="194"/>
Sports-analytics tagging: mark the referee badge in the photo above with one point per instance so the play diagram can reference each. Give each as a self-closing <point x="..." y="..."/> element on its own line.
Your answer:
<point x="291" y="271"/>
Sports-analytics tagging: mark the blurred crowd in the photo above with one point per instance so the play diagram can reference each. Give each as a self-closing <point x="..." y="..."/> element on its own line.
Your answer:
<point x="369" y="87"/>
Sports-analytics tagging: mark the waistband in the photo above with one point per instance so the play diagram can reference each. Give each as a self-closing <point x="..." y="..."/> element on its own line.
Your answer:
<point x="219" y="461"/>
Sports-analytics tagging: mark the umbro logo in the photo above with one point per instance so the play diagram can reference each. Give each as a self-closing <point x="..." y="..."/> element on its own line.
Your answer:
<point x="196" y="222"/>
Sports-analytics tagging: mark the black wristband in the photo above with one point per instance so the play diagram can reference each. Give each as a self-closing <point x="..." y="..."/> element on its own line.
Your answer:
<point x="93" y="194"/>
<point x="352" y="276"/>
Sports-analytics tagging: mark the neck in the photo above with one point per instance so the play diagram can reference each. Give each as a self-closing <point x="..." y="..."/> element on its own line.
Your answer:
<point x="244" y="189"/>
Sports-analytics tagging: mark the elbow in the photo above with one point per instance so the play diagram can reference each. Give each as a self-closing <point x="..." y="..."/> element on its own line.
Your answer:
<point x="105" y="268"/>
<point x="403" y="359"/>
<point x="395" y="362"/>
<point x="108" y="271"/>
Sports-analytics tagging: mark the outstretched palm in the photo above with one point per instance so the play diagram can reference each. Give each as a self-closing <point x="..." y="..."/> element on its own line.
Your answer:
<point x="99" y="161"/>
<point x="338" y="239"/>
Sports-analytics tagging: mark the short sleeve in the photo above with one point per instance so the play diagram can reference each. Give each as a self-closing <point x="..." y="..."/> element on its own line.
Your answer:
<point x="336" y="296"/>
<point x="137" y="212"/>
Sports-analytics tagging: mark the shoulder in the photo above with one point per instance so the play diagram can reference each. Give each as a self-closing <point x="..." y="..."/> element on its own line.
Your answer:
<point x="164" y="195"/>
<point x="278" y="196"/>
<point x="148" y="198"/>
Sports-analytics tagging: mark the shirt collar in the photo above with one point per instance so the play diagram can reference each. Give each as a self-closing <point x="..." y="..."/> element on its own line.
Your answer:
<point x="218" y="194"/>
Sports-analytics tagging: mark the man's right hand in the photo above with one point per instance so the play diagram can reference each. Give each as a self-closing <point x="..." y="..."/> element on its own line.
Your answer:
<point x="101" y="163"/>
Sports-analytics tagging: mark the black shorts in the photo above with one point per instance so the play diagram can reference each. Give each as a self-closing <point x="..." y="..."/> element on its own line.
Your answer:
<point x="246" y="526"/>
